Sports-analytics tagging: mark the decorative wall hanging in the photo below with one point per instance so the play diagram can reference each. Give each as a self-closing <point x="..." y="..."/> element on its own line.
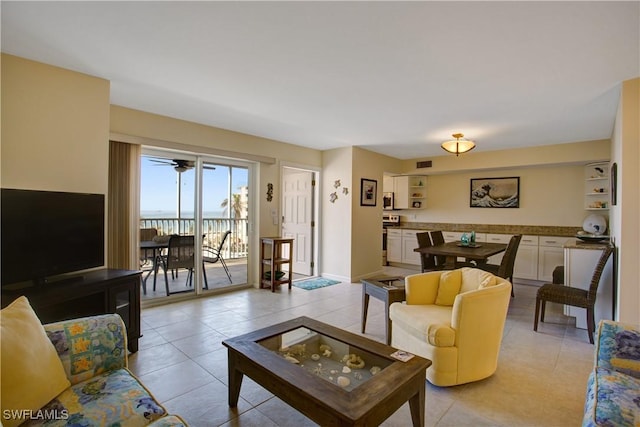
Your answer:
<point x="336" y="183"/>
<point x="345" y="190"/>
<point x="495" y="192"/>
<point x="368" y="192"/>
<point x="332" y="197"/>
<point x="269" y="192"/>
<point x="614" y="183"/>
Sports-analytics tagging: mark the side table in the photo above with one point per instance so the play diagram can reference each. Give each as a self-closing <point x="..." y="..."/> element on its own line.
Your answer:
<point x="274" y="257"/>
<point x="383" y="289"/>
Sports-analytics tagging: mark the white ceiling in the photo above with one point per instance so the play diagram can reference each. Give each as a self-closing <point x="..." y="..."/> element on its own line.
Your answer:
<point x="397" y="78"/>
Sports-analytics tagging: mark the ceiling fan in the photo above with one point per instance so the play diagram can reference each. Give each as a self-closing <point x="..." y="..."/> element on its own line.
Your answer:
<point x="178" y="164"/>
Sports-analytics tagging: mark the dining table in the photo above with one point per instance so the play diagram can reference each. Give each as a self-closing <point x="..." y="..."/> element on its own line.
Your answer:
<point x="478" y="252"/>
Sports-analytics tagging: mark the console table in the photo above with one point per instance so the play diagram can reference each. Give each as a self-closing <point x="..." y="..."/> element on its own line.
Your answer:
<point x="87" y="294"/>
<point x="273" y="256"/>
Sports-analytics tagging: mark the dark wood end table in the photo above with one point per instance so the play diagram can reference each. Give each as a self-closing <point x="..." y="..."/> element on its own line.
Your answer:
<point x="311" y="387"/>
<point x="388" y="290"/>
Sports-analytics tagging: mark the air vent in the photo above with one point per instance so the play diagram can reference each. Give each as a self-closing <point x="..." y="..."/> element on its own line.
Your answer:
<point x="425" y="164"/>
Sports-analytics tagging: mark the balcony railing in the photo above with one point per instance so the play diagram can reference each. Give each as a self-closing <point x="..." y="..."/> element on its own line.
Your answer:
<point x="213" y="230"/>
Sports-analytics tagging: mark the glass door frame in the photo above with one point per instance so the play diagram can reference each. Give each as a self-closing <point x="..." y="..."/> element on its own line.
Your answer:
<point x="200" y="160"/>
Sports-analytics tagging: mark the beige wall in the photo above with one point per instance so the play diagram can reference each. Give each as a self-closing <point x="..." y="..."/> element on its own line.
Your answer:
<point x="625" y="216"/>
<point x="551" y="184"/>
<point x="55" y="128"/>
<point x="366" y="233"/>
<point x="336" y="223"/>
<point x="542" y="200"/>
<point x="153" y="129"/>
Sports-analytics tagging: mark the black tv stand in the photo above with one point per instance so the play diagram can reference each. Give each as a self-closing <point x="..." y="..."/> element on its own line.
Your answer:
<point x="87" y="294"/>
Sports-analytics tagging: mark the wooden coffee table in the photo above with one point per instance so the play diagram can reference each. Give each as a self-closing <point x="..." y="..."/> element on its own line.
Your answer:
<point x="311" y="385"/>
<point x="388" y="289"/>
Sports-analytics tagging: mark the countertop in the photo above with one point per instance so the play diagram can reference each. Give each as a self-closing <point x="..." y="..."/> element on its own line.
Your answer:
<point x="532" y="230"/>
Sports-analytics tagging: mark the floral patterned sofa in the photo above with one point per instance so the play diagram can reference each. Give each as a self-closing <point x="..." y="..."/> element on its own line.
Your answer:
<point x="613" y="389"/>
<point x="90" y="381"/>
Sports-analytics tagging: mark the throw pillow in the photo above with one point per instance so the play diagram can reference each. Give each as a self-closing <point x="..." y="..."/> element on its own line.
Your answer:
<point x="32" y="373"/>
<point x="450" y="282"/>
<point x="488" y="281"/>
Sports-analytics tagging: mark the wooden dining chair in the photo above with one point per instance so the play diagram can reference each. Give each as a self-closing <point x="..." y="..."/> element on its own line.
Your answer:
<point x="427" y="261"/>
<point x="576" y="297"/>
<point x="505" y="268"/>
<point x="437" y="238"/>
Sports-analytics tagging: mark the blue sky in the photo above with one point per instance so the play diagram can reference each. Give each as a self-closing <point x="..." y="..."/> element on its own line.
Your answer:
<point x="158" y="184"/>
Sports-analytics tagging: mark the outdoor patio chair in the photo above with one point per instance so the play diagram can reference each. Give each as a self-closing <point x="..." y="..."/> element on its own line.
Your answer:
<point x="180" y="254"/>
<point x="214" y="255"/>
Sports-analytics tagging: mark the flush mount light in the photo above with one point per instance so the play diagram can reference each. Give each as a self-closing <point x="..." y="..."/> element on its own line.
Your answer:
<point x="458" y="146"/>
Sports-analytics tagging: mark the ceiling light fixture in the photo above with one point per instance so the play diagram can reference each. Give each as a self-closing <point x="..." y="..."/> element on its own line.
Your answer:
<point x="458" y="146"/>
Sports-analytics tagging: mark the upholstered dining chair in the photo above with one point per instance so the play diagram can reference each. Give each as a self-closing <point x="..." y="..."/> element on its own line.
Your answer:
<point x="505" y="268"/>
<point x="583" y="298"/>
<point x="427" y="261"/>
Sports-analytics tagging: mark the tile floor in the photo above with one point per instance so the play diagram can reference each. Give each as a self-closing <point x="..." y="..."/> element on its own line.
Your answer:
<point x="540" y="381"/>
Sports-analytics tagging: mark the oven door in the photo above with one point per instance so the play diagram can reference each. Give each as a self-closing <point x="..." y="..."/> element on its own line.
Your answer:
<point x="387" y="201"/>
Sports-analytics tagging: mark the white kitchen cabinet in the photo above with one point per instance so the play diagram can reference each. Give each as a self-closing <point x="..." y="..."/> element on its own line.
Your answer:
<point x="579" y="265"/>
<point x="409" y="243"/>
<point x="394" y="245"/>
<point x="409" y="191"/>
<point x="526" y="265"/>
<point x="550" y="255"/>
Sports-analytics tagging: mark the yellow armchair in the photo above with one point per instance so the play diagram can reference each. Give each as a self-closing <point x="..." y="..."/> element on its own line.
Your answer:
<point x="454" y="318"/>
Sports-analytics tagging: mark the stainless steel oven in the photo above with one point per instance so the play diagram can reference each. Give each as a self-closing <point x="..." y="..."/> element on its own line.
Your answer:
<point x="387" y="220"/>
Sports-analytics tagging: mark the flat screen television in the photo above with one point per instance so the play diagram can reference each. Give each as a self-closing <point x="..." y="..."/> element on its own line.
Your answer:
<point x="45" y="234"/>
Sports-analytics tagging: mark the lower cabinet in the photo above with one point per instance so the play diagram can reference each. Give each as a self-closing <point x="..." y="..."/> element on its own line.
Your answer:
<point x="526" y="265"/>
<point x="409" y="243"/>
<point x="400" y="246"/>
<point x="550" y="255"/>
<point x="394" y="245"/>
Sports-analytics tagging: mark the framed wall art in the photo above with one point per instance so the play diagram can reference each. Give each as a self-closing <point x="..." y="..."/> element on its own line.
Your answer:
<point x="495" y="192"/>
<point x="368" y="192"/>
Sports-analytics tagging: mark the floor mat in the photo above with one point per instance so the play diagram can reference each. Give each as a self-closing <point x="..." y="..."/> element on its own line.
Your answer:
<point x="318" y="282"/>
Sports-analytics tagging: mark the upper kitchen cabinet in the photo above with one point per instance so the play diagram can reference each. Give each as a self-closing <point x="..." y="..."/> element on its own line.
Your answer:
<point x="409" y="191"/>
<point x="597" y="186"/>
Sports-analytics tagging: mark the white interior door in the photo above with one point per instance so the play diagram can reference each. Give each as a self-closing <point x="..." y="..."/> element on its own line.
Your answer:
<point x="297" y="217"/>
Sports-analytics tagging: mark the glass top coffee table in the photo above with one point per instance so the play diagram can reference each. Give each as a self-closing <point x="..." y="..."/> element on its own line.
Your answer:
<point x="332" y="376"/>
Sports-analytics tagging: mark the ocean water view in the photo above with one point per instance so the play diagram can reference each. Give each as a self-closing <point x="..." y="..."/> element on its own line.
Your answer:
<point x="144" y="214"/>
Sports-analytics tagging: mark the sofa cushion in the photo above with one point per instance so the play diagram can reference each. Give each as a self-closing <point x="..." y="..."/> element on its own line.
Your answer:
<point x="115" y="398"/>
<point x="618" y="348"/>
<point x="416" y="319"/>
<point x="89" y="346"/>
<point x="612" y="399"/>
<point x="449" y="287"/>
<point x="32" y="374"/>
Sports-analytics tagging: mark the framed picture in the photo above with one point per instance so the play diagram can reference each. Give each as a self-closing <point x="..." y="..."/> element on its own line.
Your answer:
<point x="368" y="192"/>
<point x="495" y="192"/>
<point x="614" y="184"/>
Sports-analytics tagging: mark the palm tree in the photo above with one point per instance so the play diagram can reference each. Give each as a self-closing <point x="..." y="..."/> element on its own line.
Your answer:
<point x="236" y="205"/>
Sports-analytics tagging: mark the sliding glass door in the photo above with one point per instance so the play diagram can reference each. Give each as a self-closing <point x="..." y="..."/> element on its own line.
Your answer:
<point x="192" y="195"/>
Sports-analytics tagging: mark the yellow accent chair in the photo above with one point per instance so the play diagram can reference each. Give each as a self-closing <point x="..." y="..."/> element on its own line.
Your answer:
<point x="456" y="319"/>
